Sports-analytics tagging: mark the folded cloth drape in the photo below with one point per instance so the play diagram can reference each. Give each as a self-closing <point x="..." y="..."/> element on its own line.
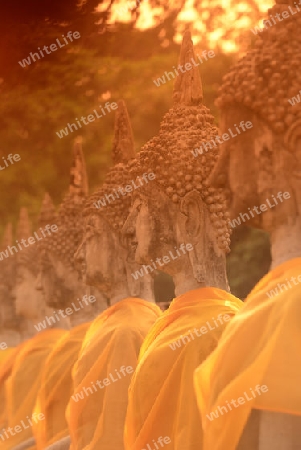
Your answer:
<point x="23" y="384"/>
<point x="7" y="359"/>
<point x="260" y="347"/>
<point x="162" y="403"/>
<point x="102" y="374"/>
<point x="57" y="388"/>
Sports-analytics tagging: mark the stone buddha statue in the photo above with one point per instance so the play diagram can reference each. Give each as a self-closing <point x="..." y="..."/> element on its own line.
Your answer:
<point x="180" y="206"/>
<point x="264" y="166"/>
<point x="29" y="302"/>
<point x="116" y="335"/>
<point x="61" y="280"/>
<point x="10" y="324"/>
<point x="179" y="224"/>
<point x="260" y="174"/>
<point x="106" y="212"/>
<point x="18" y="385"/>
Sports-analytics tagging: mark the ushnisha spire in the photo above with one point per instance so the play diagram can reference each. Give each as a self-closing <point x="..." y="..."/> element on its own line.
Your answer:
<point x="69" y="220"/>
<point x="47" y="211"/>
<point x="188" y="89"/>
<point x="78" y="173"/>
<point x="116" y="205"/>
<point x="123" y="144"/>
<point x="7" y="236"/>
<point x="7" y="265"/>
<point x="24" y="230"/>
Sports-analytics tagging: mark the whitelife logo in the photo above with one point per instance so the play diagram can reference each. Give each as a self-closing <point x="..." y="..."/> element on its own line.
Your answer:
<point x="108" y="198"/>
<point x="241" y="401"/>
<point x="188" y="66"/>
<point x="3" y="345"/>
<point x="53" y="48"/>
<point x="102" y="384"/>
<point x="161" y="440"/>
<point x="11" y="158"/>
<point x="264" y="207"/>
<point x="51" y="320"/>
<point x="166" y="260"/>
<point x="19" y="428"/>
<point x="277" y="18"/>
<point x="31" y="240"/>
<point x="203" y="330"/>
<point x="283" y="287"/>
<point x="64" y="132"/>
<point x="295" y="100"/>
<point x="220" y="139"/>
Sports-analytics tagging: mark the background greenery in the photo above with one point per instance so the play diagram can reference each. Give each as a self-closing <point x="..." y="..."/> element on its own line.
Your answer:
<point x="106" y="63"/>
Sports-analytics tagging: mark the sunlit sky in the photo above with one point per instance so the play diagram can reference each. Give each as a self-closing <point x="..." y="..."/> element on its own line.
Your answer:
<point x="239" y="17"/>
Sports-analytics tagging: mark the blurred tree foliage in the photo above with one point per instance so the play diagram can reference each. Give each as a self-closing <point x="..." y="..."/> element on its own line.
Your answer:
<point x="40" y="99"/>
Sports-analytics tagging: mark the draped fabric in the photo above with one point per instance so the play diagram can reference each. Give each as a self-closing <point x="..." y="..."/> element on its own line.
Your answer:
<point x="102" y="374"/>
<point x="260" y="347"/>
<point x="57" y="388"/>
<point x="23" y="384"/>
<point x="7" y="358"/>
<point x="5" y="354"/>
<point x="162" y="402"/>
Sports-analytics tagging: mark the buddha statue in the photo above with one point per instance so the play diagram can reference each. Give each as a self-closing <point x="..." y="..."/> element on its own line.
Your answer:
<point x="66" y="293"/>
<point x="29" y="302"/>
<point x="102" y="242"/>
<point x="96" y="416"/>
<point x="61" y="280"/>
<point x="178" y="223"/>
<point x="260" y="175"/>
<point x="10" y="333"/>
<point x="10" y="324"/>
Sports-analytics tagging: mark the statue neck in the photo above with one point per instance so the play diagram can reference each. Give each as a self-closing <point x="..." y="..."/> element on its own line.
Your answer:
<point x="119" y="294"/>
<point x="11" y="338"/>
<point x="81" y="317"/>
<point x="212" y="275"/>
<point x="126" y="288"/>
<point x="184" y="284"/>
<point x="285" y="243"/>
<point x="147" y="292"/>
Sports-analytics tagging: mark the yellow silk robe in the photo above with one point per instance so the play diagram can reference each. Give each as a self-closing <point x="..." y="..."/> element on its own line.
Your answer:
<point x="96" y="412"/>
<point x="7" y="358"/>
<point x="23" y="384"/>
<point x="57" y="387"/>
<point x="260" y="346"/>
<point x="162" y="402"/>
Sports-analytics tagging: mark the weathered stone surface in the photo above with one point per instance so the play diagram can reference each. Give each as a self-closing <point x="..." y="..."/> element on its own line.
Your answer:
<point x="180" y="206"/>
<point x="62" y="281"/>
<point x="10" y="324"/>
<point x="267" y="161"/>
<point x="104" y="252"/>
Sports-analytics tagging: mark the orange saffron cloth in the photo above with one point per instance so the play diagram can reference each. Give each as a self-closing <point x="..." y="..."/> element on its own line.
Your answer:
<point x="96" y="412"/>
<point x="57" y="388"/>
<point x="261" y="346"/>
<point x="7" y="359"/>
<point x="161" y="396"/>
<point x="23" y="384"/>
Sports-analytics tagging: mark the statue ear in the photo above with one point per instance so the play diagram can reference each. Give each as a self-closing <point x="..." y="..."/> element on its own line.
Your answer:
<point x="193" y="208"/>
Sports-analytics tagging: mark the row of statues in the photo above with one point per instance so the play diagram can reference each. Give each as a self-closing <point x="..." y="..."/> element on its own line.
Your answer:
<point x="90" y="352"/>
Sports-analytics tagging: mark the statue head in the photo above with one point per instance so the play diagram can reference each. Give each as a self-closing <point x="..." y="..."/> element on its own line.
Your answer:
<point x="260" y="88"/>
<point x="29" y="302"/>
<point x="60" y="280"/>
<point x="180" y="209"/>
<point x="107" y="263"/>
<point x="8" y="318"/>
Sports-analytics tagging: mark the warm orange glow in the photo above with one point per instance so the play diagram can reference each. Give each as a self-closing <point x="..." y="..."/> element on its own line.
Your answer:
<point x="230" y="20"/>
